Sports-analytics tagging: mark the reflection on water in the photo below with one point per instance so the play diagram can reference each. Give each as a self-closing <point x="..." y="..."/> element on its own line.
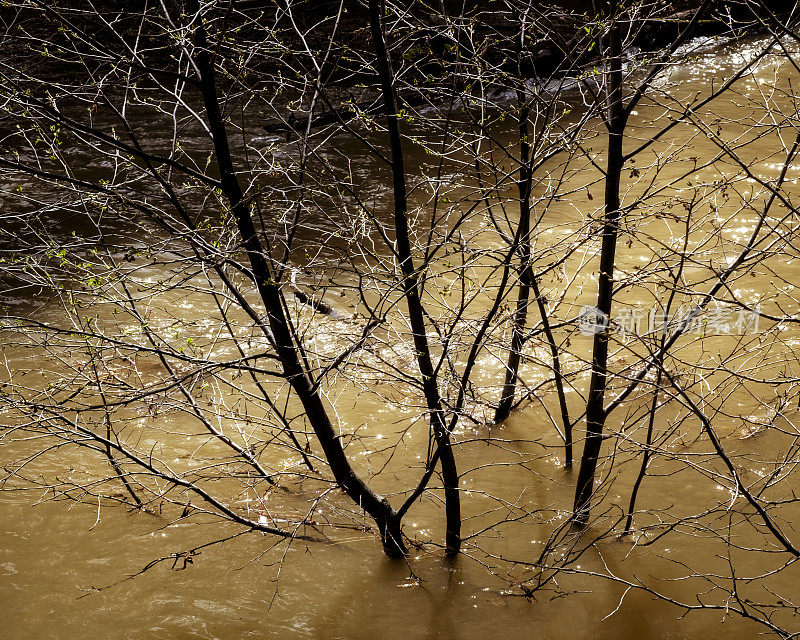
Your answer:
<point x="52" y="558"/>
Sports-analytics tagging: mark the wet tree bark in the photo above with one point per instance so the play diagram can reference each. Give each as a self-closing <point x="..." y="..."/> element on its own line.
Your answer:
<point x="375" y="505"/>
<point x="411" y="288"/>
<point x="526" y="271"/>
<point x="557" y="375"/>
<point x="524" y="232"/>
<point x="595" y="412"/>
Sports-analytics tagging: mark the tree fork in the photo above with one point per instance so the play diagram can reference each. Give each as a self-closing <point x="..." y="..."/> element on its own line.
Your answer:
<point x="411" y="287"/>
<point x="595" y="412"/>
<point x="375" y="505"/>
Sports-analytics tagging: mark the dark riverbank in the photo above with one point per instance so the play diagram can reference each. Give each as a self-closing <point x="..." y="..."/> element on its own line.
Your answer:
<point x="432" y="47"/>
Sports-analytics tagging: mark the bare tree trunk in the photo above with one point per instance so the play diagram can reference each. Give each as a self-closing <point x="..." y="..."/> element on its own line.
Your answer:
<point x="411" y="288"/>
<point x="526" y="276"/>
<point x="375" y="505"/>
<point x="647" y="453"/>
<point x="557" y="375"/>
<point x="526" y="271"/>
<point x="595" y="413"/>
<point x="528" y="281"/>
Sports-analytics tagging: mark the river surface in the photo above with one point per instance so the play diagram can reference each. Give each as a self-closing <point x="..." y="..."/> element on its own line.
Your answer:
<point x="65" y="567"/>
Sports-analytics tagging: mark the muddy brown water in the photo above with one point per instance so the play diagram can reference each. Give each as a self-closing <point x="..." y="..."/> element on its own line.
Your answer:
<point x="64" y="566"/>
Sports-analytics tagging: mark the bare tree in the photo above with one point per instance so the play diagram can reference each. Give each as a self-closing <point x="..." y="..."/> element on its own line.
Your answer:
<point x="275" y="266"/>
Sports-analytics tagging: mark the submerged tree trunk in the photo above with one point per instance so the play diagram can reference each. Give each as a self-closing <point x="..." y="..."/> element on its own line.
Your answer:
<point x="616" y="121"/>
<point x="595" y="412"/>
<point x="411" y="288"/>
<point x="526" y="277"/>
<point x="557" y="375"/>
<point x="647" y="453"/>
<point x="524" y="232"/>
<point x="375" y="505"/>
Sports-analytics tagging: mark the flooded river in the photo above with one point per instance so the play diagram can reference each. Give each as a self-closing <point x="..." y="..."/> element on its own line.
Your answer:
<point x="84" y="569"/>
